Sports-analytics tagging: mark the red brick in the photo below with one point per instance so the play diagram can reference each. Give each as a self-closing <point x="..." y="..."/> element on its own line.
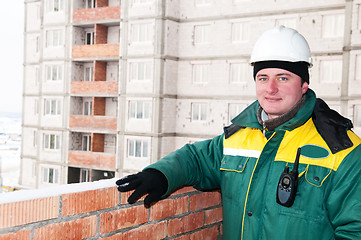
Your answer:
<point x="185" y="224"/>
<point x="206" y="234"/>
<point x="96" y="14"/>
<point x="101" y="34"/>
<point x="123" y="218"/>
<point x="95" y="50"/>
<point x="20" y="235"/>
<point x="77" y="229"/>
<point x="184" y="237"/>
<point x="89" y="201"/>
<point x="98" y="106"/>
<point x="213" y="216"/>
<point x="125" y="195"/>
<point x="101" y="3"/>
<point x="24" y="212"/>
<point x="100" y="71"/>
<point x="184" y="190"/>
<point x="204" y="200"/>
<point x="169" y="207"/>
<point x="97" y="142"/>
<point x="103" y="160"/>
<point x="118" y="236"/>
<point x="149" y="232"/>
<point x="93" y="122"/>
<point x="94" y="88"/>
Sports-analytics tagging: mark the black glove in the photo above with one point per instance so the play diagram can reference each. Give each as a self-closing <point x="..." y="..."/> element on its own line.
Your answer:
<point x="150" y="181"/>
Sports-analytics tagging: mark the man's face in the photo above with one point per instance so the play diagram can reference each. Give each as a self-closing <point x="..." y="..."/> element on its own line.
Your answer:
<point x="278" y="90"/>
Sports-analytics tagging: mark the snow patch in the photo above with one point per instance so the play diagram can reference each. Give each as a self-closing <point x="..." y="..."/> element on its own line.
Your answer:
<point x="10" y="144"/>
<point x="24" y="195"/>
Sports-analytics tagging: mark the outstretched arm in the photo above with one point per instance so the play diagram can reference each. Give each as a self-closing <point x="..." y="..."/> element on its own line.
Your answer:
<point x="192" y="165"/>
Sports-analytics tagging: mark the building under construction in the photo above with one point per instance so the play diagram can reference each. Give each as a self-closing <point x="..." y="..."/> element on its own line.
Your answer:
<point x="111" y="86"/>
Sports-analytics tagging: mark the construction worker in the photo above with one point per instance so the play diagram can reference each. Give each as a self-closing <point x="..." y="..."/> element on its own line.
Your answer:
<point x="288" y="167"/>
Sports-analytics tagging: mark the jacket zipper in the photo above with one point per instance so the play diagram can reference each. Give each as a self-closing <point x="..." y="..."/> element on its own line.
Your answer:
<point x="264" y="128"/>
<point x="250" y="181"/>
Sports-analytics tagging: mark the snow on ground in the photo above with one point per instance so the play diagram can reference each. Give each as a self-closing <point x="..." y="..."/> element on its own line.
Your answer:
<point x="10" y="124"/>
<point x="10" y="144"/>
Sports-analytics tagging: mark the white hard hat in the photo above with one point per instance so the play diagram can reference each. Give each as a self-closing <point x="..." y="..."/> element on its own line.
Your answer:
<point x="281" y="44"/>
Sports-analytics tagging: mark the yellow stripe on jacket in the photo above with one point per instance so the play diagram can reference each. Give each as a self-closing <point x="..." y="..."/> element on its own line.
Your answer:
<point x="249" y="142"/>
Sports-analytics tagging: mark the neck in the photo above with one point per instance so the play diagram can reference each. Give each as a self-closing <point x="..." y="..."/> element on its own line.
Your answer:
<point x="272" y="123"/>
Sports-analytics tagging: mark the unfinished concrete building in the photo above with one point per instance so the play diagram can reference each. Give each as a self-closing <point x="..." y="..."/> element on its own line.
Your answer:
<point x="111" y="86"/>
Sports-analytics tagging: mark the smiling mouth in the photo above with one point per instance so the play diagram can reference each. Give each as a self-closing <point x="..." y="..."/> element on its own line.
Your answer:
<point x="273" y="99"/>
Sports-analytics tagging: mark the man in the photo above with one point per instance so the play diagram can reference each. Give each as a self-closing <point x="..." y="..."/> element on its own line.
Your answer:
<point x="288" y="166"/>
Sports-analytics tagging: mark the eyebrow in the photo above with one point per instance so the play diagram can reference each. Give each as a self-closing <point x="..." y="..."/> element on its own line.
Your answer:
<point x="277" y="75"/>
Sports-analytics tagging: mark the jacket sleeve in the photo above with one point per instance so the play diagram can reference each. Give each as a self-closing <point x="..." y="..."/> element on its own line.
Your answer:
<point x="344" y="199"/>
<point x="194" y="165"/>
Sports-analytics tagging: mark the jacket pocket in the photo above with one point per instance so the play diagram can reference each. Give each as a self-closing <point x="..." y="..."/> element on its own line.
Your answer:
<point x="309" y="201"/>
<point x="234" y="164"/>
<point x="316" y="175"/>
<point x="235" y="175"/>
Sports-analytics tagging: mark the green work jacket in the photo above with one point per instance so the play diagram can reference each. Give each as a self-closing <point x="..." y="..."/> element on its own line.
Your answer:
<point x="246" y="165"/>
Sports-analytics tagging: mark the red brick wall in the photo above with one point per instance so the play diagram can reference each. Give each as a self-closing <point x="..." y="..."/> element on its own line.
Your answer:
<point x="97" y="142"/>
<point x="101" y="3"/>
<point x="95" y="50"/>
<point x="96" y="14"/>
<point x="93" y="88"/>
<point x="100" y="71"/>
<point x="81" y="158"/>
<point x="95" y="123"/>
<point x="101" y="34"/>
<point x="102" y="214"/>
<point x="98" y="106"/>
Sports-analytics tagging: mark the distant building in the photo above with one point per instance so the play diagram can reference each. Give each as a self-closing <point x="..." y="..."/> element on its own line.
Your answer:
<point x="111" y="86"/>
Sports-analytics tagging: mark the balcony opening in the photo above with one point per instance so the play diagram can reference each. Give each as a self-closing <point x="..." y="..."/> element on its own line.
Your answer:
<point x="89" y="38"/>
<point x="89" y="74"/>
<point x="90" y="4"/>
<point x="87" y="107"/>
<point x="86" y="142"/>
<point x="78" y="175"/>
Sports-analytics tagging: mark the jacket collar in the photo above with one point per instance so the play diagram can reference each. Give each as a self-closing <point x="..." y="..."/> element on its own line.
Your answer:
<point x="331" y="126"/>
<point x="248" y="118"/>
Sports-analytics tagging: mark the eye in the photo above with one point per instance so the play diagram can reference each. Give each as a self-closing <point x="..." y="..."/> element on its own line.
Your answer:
<point x="282" y="78"/>
<point x="262" y="79"/>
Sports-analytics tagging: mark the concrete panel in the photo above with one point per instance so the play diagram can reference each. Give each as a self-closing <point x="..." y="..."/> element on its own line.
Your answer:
<point x="33" y="16"/>
<point x="32" y="83"/>
<point x="28" y="177"/>
<point x="148" y="8"/>
<point x="217" y="83"/>
<point x="31" y="105"/>
<point x="32" y="47"/>
<point x="168" y="115"/>
<point x="189" y="10"/>
<point x="31" y="134"/>
<point x="138" y="125"/>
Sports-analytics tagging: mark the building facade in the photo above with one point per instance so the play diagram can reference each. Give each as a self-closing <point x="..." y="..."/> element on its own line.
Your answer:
<point x="111" y="86"/>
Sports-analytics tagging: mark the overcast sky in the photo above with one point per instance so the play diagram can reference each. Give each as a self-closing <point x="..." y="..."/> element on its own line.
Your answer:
<point x="11" y="52"/>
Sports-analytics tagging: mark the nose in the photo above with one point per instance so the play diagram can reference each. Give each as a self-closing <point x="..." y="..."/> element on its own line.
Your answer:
<point x="272" y="87"/>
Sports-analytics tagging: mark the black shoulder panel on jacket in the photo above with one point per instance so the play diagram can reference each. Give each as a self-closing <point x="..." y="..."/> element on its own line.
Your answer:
<point x="230" y="130"/>
<point x="331" y="126"/>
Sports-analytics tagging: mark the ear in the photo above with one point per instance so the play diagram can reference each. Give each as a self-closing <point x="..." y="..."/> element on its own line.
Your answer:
<point x="304" y="87"/>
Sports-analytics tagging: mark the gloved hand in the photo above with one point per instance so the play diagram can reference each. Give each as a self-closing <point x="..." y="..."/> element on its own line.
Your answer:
<point x="150" y="181"/>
